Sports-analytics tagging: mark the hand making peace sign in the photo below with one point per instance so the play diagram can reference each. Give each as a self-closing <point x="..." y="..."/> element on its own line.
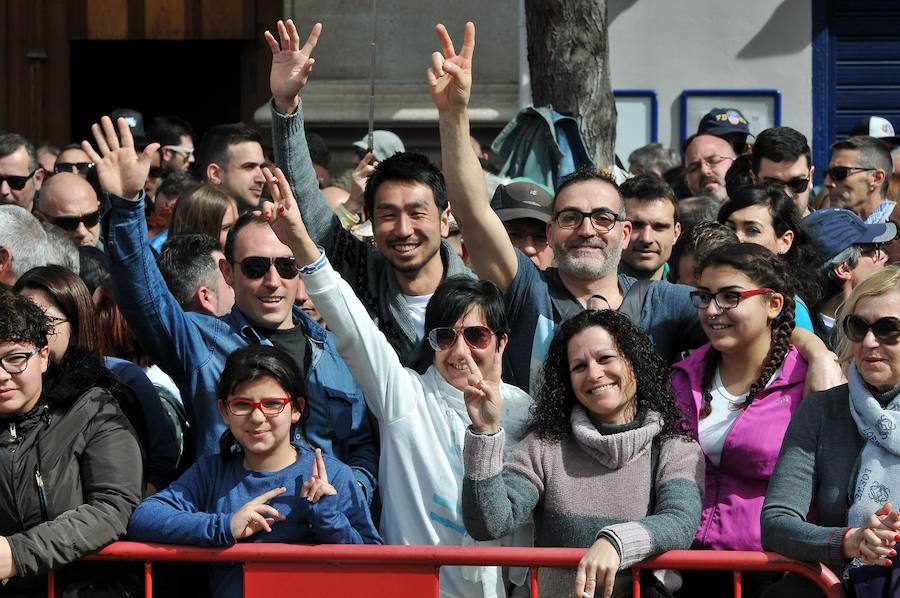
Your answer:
<point x="450" y="75"/>
<point x="317" y="485"/>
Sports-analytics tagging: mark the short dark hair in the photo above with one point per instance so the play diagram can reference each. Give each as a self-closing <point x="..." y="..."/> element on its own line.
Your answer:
<point x="242" y="222"/>
<point x="318" y="149"/>
<point x="692" y="210"/>
<point x="780" y="144"/>
<point x="738" y="175"/>
<point x="589" y="173"/>
<point x="168" y="130"/>
<point x="257" y="361"/>
<point x="873" y="153"/>
<point x="11" y="142"/>
<point x="186" y="264"/>
<point x="94" y="266"/>
<point x="697" y="242"/>
<point x="176" y="182"/>
<point x="406" y="166"/>
<point x="215" y="146"/>
<point x="451" y="300"/>
<point x="22" y="321"/>
<point x="643" y="187"/>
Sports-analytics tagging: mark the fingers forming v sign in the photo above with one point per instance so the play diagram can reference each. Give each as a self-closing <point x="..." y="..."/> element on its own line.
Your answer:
<point x="256" y="515"/>
<point x="291" y="64"/>
<point x="450" y="75"/>
<point x="482" y="396"/>
<point x="317" y="485"/>
<point x="121" y="170"/>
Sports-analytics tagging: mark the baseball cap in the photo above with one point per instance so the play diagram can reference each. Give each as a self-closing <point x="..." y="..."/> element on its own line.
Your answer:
<point x="522" y="198"/>
<point x="134" y="119"/>
<point x="875" y="126"/>
<point x="384" y="144"/>
<point x="836" y="229"/>
<point x="723" y="121"/>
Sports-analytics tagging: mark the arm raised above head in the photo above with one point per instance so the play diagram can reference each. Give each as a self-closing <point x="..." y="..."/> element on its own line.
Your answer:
<point x="450" y="81"/>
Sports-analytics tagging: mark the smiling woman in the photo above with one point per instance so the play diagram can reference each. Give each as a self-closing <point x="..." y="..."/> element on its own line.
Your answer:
<point x="608" y="456"/>
<point x="846" y="438"/>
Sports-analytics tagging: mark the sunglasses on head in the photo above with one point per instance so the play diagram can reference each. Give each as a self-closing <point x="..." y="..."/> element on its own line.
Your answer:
<point x="477" y="337"/>
<point x="257" y="266"/>
<point x="16" y="183"/>
<point x="797" y="185"/>
<point x="70" y="223"/>
<point x="886" y="330"/>
<point x="839" y="173"/>
<point x="79" y="167"/>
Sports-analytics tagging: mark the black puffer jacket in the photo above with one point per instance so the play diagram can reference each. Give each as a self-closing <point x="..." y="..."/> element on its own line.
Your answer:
<point x="70" y="476"/>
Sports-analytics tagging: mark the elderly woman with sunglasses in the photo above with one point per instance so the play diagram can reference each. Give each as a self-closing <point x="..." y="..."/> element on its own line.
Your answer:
<point x="830" y="496"/>
<point x="422" y="417"/>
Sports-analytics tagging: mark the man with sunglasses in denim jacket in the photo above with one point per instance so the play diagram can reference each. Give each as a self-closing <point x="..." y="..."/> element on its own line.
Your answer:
<point x="68" y="201"/>
<point x="192" y="347"/>
<point x="20" y="174"/>
<point x="782" y="155"/>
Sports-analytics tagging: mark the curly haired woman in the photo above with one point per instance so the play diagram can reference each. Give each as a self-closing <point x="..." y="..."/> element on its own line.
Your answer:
<point x="739" y="393"/>
<point x="608" y="462"/>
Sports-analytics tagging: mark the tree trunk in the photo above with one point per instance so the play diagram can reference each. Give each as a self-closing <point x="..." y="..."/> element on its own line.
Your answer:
<point x="568" y="57"/>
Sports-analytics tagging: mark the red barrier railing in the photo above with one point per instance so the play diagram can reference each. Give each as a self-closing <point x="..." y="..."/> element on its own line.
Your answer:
<point x="367" y="571"/>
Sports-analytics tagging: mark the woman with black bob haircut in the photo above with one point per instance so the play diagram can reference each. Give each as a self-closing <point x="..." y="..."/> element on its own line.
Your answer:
<point x="608" y="462"/>
<point x="767" y="216"/>
<point x="71" y="462"/>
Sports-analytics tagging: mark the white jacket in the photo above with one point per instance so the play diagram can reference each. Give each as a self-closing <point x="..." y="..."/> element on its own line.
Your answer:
<point x="422" y="421"/>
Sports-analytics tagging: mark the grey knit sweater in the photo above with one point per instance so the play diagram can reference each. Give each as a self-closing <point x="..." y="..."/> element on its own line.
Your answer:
<point x="805" y="513"/>
<point x="586" y="484"/>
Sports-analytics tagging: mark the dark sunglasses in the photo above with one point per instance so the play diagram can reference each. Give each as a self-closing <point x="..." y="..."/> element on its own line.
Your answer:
<point x="477" y="337"/>
<point x="257" y="266"/>
<point x="798" y="185"/>
<point x="839" y="173"/>
<point x="80" y="167"/>
<point x="16" y="183"/>
<point x="886" y="330"/>
<point x="70" y="223"/>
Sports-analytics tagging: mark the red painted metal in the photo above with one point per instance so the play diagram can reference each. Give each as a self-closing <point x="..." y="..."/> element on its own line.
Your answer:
<point x="349" y="571"/>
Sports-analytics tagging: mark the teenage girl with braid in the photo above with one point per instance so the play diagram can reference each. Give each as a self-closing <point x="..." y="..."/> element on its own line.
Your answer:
<point x="739" y="393"/>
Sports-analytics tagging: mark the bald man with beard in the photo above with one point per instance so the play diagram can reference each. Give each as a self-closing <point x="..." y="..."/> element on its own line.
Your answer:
<point x="69" y="202"/>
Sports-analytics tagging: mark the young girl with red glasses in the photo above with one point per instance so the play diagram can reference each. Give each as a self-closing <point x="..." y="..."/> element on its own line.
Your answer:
<point x="260" y="482"/>
<point x="739" y="393"/>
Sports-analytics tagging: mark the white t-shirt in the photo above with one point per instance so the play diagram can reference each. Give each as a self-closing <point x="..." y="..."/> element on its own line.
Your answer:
<point x="725" y="411"/>
<point x="417" y="305"/>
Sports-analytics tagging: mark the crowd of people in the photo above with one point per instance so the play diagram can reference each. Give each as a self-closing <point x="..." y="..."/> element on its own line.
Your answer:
<point x="209" y="347"/>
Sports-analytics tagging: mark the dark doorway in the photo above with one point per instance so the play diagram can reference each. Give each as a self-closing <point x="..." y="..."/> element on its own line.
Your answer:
<point x="200" y="81"/>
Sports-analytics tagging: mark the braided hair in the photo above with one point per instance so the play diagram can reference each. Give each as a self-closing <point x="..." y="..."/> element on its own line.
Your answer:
<point x="768" y="271"/>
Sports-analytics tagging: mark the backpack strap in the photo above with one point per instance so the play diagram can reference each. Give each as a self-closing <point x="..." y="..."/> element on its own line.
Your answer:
<point x="654" y="469"/>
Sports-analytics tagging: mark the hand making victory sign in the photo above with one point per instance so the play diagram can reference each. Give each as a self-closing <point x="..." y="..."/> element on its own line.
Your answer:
<point x="450" y="75"/>
<point x="482" y="397"/>
<point x="317" y="485"/>
<point x="291" y="64"/>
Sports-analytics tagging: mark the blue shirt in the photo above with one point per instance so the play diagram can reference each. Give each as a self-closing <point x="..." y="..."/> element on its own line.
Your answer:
<point x="192" y="347"/>
<point x="197" y="509"/>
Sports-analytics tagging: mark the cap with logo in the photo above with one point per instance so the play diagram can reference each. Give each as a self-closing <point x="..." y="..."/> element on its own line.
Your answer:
<point x="522" y="198"/>
<point x="134" y="119"/>
<point x="723" y="121"/>
<point x="836" y="229"/>
<point x="875" y="126"/>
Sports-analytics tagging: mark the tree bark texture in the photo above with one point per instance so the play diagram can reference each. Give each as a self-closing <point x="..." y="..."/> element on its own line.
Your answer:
<point x="568" y="57"/>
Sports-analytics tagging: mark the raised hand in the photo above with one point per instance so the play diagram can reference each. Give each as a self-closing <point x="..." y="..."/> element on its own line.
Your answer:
<point x="482" y="397"/>
<point x="283" y="215"/>
<point x="597" y="569"/>
<point x="256" y="515"/>
<point x="291" y="64"/>
<point x="361" y="173"/>
<point x="121" y="170"/>
<point x="317" y="485"/>
<point x="450" y="75"/>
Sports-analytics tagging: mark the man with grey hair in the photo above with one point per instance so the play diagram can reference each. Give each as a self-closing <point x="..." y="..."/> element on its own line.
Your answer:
<point x="653" y="158"/>
<point x="61" y="248"/>
<point x="23" y="243"/>
<point x="858" y="177"/>
<point x="20" y="174"/>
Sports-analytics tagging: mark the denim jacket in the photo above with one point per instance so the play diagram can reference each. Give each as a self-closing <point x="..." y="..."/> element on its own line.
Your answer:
<point x="192" y="347"/>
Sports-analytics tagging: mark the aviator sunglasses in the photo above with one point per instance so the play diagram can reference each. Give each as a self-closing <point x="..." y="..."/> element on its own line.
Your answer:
<point x="477" y="337"/>
<point x="256" y="266"/>
<point x="886" y="330"/>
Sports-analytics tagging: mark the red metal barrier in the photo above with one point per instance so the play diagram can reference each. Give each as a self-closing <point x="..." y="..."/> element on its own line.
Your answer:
<point x="367" y="571"/>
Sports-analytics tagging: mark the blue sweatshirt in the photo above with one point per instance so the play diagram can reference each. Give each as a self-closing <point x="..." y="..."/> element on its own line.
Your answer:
<point x="197" y="508"/>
